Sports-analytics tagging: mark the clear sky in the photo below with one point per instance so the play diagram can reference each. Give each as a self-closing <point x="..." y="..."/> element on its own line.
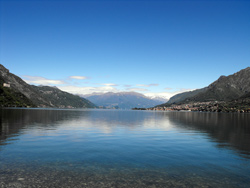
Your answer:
<point x="130" y="45"/>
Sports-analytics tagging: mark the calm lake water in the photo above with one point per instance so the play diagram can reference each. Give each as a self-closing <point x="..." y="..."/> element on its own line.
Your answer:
<point x="113" y="148"/>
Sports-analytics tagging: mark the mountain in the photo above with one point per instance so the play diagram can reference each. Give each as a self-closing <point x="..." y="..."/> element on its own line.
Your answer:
<point x="15" y="92"/>
<point x="60" y="99"/>
<point x="226" y="88"/>
<point x="123" y="100"/>
<point x="157" y="97"/>
<point x="9" y="97"/>
<point x="182" y="96"/>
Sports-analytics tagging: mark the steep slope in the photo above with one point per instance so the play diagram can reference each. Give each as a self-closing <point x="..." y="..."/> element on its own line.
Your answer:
<point x="18" y="85"/>
<point x="62" y="99"/>
<point x="226" y="88"/>
<point x="44" y="96"/>
<point x="123" y="100"/>
<point x="243" y="101"/>
<point x="11" y="98"/>
<point x="182" y="96"/>
<point x="246" y="96"/>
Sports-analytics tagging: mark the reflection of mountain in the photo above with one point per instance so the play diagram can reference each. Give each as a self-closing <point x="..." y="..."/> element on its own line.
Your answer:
<point x="228" y="130"/>
<point x="14" y="120"/>
<point x="106" y="121"/>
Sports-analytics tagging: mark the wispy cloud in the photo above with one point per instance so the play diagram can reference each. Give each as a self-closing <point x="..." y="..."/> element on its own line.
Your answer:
<point x="168" y="88"/>
<point x="79" y="77"/>
<point x="127" y="85"/>
<point x="181" y="90"/>
<point x="137" y="89"/>
<point x="37" y="80"/>
<point x="146" y="85"/>
<point x="109" y="84"/>
<point x="87" y="90"/>
<point x="70" y="85"/>
<point x="168" y="94"/>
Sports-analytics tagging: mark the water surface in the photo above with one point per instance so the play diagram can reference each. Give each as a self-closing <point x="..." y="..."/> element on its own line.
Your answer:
<point x="115" y="148"/>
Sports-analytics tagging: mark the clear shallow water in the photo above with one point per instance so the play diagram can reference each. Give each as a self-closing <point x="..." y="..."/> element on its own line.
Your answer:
<point x="105" y="148"/>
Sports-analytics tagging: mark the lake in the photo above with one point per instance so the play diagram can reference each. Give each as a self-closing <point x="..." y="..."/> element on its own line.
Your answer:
<point x="118" y="148"/>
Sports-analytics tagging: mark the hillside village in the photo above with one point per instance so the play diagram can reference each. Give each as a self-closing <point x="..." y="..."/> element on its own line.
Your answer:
<point x="227" y="94"/>
<point x="212" y="106"/>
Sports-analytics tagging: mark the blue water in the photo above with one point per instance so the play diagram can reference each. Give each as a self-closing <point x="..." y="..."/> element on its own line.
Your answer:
<point x="115" y="148"/>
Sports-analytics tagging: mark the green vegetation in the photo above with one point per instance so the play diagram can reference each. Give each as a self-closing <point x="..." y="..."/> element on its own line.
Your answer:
<point x="10" y="98"/>
<point x="20" y="94"/>
<point x="139" y="108"/>
<point x="61" y="99"/>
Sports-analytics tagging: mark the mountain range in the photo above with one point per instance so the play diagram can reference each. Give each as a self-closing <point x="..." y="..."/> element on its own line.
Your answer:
<point x="231" y="91"/>
<point x="123" y="100"/>
<point x="15" y="92"/>
<point x="235" y="87"/>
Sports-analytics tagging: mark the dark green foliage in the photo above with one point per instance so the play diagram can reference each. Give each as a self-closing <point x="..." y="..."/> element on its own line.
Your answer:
<point x="239" y="105"/>
<point x="11" y="98"/>
<point x="62" y="99"/>
<point x="22" y="94"/>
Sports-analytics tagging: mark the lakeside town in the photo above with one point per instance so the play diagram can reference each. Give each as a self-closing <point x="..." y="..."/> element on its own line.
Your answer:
<point x="211" y="106"/>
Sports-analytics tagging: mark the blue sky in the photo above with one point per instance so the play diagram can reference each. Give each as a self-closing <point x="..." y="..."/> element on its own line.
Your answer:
<point x="160" y="47"/>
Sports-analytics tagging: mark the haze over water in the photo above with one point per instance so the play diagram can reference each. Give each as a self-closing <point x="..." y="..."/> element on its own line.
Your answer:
<point x="115" y="148"/>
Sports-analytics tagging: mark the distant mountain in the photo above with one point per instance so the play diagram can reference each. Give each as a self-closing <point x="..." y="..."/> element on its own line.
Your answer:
<point x="122" y="100"/>
<point x="161" y="98"/>
<point x="15" y="92"/>
<point x="226" y="88"/>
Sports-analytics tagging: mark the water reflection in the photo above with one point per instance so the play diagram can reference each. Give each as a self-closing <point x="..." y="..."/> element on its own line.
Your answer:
<point x="112" y="148"/>
<point x="228" y="130"/>
<point x="13" y="121"/>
